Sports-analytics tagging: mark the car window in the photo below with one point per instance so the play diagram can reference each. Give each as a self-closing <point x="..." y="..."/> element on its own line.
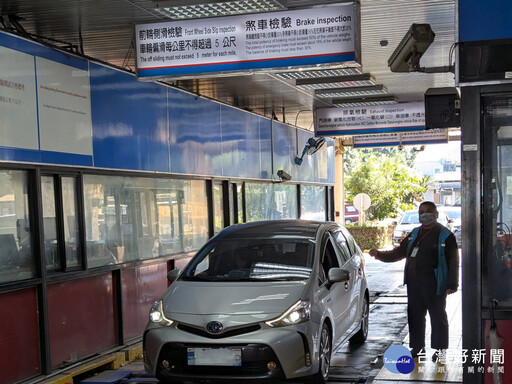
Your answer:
<point x="329" y="258"/>
<point x="350" y="241"/>
<point x="342" y="246"/>
<point x="237" y="259"/>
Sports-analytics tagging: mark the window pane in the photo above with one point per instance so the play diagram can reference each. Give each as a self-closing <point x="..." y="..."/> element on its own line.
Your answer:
<point x="231" y="203"/>
<point x="16" y="259"/>
<point x="270" y="201"/>
<point x="342" y="245"/>
<point x="140" y="218"/>
<point x="70" y="221"/>
<point x="240" y="204"/>
<point x="286" y="201"/>
<point x="218" y="210"/>
<point x="51" y="249"/>
<point x="312" y="202"/>
<point x="497" y="197"/>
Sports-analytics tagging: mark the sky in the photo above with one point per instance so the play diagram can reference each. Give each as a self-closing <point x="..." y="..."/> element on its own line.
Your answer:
<point x="434" y="152"/>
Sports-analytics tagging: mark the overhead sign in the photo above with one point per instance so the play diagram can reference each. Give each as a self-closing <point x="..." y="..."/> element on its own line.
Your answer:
<point x="246" y="42"/>
<point x="400" y="117"/>
<point x="431" y="136"/>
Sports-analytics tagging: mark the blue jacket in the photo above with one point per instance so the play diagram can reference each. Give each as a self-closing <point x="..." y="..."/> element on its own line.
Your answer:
<point x="441" y="271"/>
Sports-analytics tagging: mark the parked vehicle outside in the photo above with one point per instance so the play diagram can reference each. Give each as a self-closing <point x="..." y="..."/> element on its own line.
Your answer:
<point x="351" y="214"/>
<point x="261" y="301"/>
<point x="454" y="217"/>
<point x="410" y="220"/>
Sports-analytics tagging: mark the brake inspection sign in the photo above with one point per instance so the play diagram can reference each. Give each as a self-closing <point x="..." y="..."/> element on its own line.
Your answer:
<point x="248" y="42"/>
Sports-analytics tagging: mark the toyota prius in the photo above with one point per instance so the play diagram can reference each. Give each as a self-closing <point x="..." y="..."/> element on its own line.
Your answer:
<point x="260" y="301"/>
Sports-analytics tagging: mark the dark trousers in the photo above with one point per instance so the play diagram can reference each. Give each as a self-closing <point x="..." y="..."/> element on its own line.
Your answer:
<point x="422" y="297"/>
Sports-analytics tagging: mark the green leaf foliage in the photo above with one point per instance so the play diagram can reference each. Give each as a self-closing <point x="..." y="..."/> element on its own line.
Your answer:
<point x="387" y="177"/>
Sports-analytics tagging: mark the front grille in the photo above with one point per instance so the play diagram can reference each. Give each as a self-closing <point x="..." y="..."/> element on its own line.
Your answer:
<point x="254" y="362"/>
<point x="232" y="332"/>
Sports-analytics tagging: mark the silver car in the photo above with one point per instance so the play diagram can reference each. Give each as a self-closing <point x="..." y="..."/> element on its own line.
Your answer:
<point x="261" y="301"/>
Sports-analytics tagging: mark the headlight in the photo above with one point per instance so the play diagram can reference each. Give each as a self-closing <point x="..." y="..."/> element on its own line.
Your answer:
<point x="156" y="314"/>
<point x="296" y="314"/>
<point x="398" y="234"/>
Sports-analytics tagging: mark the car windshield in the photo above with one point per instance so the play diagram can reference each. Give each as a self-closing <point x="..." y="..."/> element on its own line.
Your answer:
<point x="243" y="259"/>
<point x="410" y="218"/>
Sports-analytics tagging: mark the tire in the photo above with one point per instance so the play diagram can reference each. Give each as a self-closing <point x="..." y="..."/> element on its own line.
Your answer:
<point x="325" y="351"/>
<point x="362" y="334"/>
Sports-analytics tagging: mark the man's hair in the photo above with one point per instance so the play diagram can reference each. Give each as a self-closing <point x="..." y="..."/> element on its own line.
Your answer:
<point x="429" y="203"/>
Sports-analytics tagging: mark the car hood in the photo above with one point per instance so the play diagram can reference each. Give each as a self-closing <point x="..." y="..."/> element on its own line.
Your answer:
<point x="194" y="302"/>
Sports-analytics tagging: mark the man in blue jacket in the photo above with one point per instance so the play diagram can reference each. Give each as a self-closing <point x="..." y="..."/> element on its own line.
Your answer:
<point x="431" y="273"/>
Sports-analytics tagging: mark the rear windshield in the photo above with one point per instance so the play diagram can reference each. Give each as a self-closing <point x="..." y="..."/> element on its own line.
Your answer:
<point x="232" y="259"/>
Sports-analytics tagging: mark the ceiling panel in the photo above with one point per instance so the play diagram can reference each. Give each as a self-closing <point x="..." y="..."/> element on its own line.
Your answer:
<point x="103" y="30"/>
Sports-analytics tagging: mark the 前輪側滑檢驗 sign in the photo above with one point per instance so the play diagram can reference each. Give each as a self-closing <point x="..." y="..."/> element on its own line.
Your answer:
<point x="250" y="42"/>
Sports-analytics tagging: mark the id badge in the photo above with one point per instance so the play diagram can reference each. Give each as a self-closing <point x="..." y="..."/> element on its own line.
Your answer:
<point x="414" y="251"/>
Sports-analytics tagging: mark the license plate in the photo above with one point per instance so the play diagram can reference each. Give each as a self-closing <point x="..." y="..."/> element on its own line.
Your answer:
<point x="228" y="357"/>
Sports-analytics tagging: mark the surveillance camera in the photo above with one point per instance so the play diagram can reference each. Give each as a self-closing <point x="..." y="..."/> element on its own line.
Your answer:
<point x="406" y="57"/>
<point x="283" y="175"/>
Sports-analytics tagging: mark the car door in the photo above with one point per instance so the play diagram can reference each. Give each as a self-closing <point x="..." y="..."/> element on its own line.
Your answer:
<point x="335" y="297"/>
<point x="355" y="264"/>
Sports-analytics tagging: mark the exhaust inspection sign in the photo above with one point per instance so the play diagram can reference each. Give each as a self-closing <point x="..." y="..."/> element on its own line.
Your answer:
<point x="400" y="117"/>
<point x="248" y="43"/>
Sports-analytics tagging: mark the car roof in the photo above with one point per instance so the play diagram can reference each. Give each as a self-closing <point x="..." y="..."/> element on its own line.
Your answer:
<point x="274" y="228"/>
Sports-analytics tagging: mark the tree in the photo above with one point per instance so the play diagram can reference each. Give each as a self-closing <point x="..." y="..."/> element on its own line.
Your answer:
<point x="388" y="179"/>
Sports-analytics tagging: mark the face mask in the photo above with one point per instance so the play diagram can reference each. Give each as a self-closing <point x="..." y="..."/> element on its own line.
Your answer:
<point x="427" y="218"/>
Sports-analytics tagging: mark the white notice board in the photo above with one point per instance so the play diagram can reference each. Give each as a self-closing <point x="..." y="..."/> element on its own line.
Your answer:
<point x="399" y="117"/>
<point x="247" y="42"/>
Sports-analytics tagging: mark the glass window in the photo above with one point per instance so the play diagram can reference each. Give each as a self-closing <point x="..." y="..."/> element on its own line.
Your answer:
<point x="342" y="245"/>
<point x="255" y="259"/>
<point x="497" y="197"/>
<point x="51" y="248"/>
<point x="240" y="198"/>
<point x="313" y="202"/>
<point x="286" y="200"/>
<point x="270" y="201"/>
<point x="70" y="219"/>
<point x="16" y="259"/>
<point x="218" y="208"/>
<point x="130" y="218"/>
<point x="329" y="258"/>
<point x="232" y="194"/>
<point x="350" y="241"/>
<point x="236" y="212"/>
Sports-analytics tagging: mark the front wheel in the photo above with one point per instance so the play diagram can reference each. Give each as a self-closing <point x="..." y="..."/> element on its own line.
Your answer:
<point x="362" y="334"/>
<point x="324" y="357"/>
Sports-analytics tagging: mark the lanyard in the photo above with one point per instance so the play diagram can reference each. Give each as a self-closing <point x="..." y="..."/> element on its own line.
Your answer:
<point x="421" y="237"/>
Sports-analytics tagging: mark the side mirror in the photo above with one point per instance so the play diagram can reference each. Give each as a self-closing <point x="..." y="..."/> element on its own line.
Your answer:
<point x="173" y="275"/>
<point x="338" y="275"/>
